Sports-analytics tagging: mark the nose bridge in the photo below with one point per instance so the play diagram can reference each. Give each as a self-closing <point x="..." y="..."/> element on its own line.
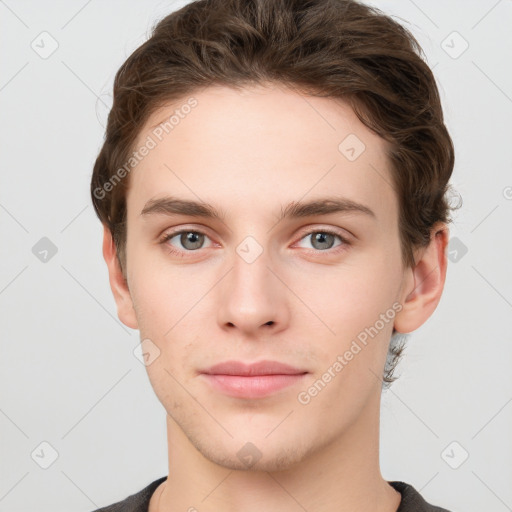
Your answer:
<point x="251" y="277"/>
<point x="252" y="295"/>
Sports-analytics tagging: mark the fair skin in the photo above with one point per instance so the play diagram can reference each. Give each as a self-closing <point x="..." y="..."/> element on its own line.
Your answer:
<point x="302" y="301"/>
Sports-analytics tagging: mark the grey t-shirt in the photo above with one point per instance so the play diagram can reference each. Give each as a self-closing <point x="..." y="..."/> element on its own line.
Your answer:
<point x="139" y="502"/>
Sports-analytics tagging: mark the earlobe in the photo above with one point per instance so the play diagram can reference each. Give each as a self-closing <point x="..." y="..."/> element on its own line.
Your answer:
<point x="118" y="284"/>
<point x="424" y="283"/>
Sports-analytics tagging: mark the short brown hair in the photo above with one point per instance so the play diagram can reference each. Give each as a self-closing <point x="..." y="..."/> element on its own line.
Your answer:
<point x="340" y="49"/>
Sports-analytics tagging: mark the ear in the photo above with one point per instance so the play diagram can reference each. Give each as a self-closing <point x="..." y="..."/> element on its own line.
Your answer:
<point x="118" y="284"/>
<point x="424" y="283"/>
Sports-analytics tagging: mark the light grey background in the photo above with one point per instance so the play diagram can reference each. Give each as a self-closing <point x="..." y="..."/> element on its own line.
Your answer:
<point x="68" y="373"/>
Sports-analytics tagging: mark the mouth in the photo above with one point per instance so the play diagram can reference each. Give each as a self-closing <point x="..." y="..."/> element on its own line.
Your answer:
<point x="256" y="380"/>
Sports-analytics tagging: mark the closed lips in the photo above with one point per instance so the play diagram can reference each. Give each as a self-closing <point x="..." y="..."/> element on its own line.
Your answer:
<point x="253" y="369"/>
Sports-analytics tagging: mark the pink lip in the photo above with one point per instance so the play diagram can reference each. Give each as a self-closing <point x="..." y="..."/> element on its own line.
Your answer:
<point x="252" y="369"/>
<point x="255" y="380"/>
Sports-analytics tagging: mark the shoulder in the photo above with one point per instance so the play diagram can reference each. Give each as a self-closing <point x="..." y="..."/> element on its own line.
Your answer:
<point x="138" y="502"/>
<point x="412" y="501"/>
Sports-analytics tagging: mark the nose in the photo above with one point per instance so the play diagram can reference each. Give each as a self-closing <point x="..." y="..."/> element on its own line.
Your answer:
<point x="252" y="297"/>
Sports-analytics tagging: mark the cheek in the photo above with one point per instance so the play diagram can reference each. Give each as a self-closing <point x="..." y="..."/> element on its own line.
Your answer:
<point x="349" y="298"/>
<point x="158" y="296"/>
<point x="356" y="303"/>
<point x="167" y="303"/>
<point x="162" y="309"/>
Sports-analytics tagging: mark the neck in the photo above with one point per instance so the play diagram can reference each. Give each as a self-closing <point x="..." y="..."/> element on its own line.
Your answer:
<point x="341" y="476"/>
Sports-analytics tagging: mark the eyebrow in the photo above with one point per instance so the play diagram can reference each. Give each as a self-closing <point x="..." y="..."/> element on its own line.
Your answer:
<point x="322" y="206"/>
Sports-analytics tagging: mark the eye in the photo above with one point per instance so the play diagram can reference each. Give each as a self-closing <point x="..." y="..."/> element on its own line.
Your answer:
<point x="322" y="240"/>
<point x="189" y="240"/>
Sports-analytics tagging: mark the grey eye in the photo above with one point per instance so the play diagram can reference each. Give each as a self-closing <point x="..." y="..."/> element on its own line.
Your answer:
<point x="191" y="240"/>
<point x="322" y="240"/>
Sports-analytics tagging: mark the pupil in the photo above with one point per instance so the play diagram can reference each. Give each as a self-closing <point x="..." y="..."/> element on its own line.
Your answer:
<point x="321" y="238"/>
<point x="192" y="238"/>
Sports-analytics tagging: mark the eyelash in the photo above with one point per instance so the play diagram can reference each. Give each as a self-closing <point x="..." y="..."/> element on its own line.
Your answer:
<point x="338" y="249"/>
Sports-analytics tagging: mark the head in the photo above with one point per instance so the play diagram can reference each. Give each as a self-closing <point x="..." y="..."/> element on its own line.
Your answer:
<point x="249" y="108"/>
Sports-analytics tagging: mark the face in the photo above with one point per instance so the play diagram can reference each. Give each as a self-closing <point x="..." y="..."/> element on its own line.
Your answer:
<point x="254" y="284"/>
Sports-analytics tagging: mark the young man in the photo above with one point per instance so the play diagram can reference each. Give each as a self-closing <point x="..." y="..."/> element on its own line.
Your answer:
<point x="272" y="188"/>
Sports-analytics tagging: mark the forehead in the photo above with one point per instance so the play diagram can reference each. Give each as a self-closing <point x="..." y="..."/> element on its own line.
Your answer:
<point x="244" y="147"/>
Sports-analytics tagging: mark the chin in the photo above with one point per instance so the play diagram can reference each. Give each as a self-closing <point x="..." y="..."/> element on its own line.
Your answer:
<point x="246" y="452"/>
<point x="250" y="458"/>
